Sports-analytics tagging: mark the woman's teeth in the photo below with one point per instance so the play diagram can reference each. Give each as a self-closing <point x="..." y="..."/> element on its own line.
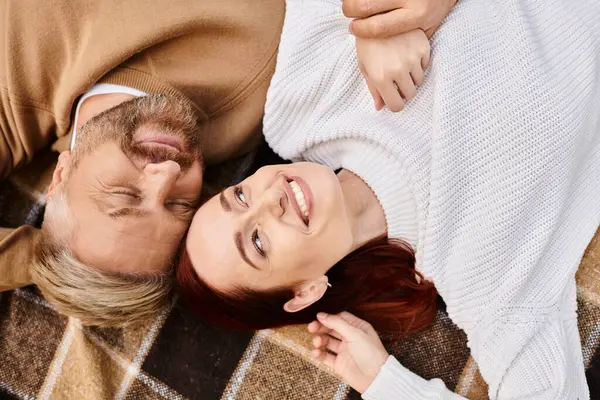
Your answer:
<point x="299" y="198"/>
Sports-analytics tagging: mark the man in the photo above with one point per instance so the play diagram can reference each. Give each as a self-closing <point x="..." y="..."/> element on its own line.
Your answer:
<point x="132" y="91"/>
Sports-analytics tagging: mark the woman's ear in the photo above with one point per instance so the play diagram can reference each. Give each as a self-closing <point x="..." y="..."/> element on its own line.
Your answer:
<point x="60" y="172"/>
<point x="309" y="293"/>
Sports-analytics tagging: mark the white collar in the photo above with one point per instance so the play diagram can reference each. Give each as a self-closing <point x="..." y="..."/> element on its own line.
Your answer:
<point x="102" y="88"/>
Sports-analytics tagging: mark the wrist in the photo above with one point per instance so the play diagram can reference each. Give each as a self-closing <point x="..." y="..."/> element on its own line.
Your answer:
<point x="382" y="358"/>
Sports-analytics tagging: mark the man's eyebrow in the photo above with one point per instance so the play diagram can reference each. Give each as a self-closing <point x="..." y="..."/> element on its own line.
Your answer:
<point x="127" y="212"/>
<point x="237" y="238"/>
<point x="224" y="203"/>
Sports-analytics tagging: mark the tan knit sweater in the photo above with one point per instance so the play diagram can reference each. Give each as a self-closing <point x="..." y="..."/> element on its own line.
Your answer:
<point x="16" y="254"/>
<point x="219" y="55"/>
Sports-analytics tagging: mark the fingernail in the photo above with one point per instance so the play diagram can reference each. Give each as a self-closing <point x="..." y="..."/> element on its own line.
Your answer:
<point x="321" y="315"/>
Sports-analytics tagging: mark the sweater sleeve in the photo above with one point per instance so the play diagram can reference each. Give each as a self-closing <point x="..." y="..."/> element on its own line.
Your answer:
<point x="546" y="364"/>
<point x="396" y="382"/>
<point x="528" y="354"/>
<point x="16" y="255"/>
<point x="514" y="199"/>
<point x="5" y="158"/>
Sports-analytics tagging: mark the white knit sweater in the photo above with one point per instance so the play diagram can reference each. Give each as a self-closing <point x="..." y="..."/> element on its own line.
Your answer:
<point x="492" y="172"/>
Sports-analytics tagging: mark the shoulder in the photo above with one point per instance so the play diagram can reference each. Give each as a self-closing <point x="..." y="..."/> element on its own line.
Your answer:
<point x="17" y="252"/>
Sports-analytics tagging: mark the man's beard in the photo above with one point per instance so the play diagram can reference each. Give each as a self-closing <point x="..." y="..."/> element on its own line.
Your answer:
<point x="159" y="113"/>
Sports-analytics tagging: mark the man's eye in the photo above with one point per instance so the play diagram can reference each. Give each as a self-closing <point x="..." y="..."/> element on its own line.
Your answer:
<point x="257" y="243"/>
<point x="239" y="194"/>
<point x="180" y="206"/>
<point x="126" y="193"/>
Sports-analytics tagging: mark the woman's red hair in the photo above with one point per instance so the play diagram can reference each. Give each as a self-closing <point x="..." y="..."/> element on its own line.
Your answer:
<point x="378" y="283"/>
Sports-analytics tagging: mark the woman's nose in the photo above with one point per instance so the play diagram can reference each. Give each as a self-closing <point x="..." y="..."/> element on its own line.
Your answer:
<point x="160" y="179"/>
<point x="272" y="202"/>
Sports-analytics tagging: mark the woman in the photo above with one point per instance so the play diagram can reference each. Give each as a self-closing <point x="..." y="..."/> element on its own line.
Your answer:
<point x="491" y="174"/>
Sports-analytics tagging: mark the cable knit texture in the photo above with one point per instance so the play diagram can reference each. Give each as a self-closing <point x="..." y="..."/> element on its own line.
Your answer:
<point x="492" y="172"/>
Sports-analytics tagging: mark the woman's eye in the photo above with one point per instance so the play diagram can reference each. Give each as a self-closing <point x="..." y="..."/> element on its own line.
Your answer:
<point x="240" y="195"/>
<point x="257" y="243"/>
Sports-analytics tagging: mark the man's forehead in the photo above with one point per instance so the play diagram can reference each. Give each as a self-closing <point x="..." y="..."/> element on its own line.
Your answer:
<point x="147" y="230"/>
<point x="122" y="250"/>
<point x="131" y="242"/>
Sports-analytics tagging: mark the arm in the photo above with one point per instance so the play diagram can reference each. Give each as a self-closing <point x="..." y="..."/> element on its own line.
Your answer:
<point x="17" y="248"/>
<point x="533" y="355"/>
<point x="521" y="356"/>
<point x="385" y="18"/>
<point x="396" y="382"/>
<point x="357" y="355"/>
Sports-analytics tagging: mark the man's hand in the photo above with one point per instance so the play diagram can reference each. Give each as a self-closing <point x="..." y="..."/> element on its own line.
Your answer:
<point x="393" y="67"/>
<point x="384" y="18"/>
<point x="355" y="353"/>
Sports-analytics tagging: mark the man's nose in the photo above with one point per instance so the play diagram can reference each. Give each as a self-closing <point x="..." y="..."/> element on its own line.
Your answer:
<point x="160" y="179"/>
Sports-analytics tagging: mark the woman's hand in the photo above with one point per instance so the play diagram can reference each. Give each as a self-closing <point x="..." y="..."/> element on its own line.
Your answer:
<point x="394" y="67"/>
<point x="385" y="18"/>
<point x="358" y="353"/>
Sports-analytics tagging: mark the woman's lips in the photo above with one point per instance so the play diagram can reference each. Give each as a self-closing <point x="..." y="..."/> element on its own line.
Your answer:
<point x="308" y="195"/>
<point x="308" y="198"/>
<point x="292" y="199"/>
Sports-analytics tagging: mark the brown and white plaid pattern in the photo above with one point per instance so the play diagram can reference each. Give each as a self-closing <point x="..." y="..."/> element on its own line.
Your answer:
<point x="174" y="356"/>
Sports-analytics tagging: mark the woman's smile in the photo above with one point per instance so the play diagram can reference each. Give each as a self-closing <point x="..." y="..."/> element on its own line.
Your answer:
<point x="300" y="197"/>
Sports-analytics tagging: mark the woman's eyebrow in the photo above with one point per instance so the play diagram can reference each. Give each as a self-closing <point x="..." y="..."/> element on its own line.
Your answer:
<point x="224" y="202"/>
<point x="237" y="238"/>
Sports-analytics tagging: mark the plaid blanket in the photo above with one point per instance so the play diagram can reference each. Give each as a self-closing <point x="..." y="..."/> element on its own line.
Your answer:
<point x="176" y="356"/>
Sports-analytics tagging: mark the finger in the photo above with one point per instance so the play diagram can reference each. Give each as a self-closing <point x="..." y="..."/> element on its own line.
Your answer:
<point x="377" y="99"/>
<point x="385" y="25"/>
<point x="320" y="329"/>
<point x="406" y="86"/>
<point x="425" y="60"/>
<point x="417" y="76"/>
<point x="328" y="342"/>
<point x="361" y="68"/>
<point x="324" y="357"/>
<point x="368" y="8"/>
<point x="314" y="326"/>
<point x="391" y="96"/>
<point x="357" y="322"/>
<point x="339" y="326"/>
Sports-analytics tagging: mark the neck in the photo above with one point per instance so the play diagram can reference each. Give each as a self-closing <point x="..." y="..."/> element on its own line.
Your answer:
<point x="97" y="104"/>
<point x="364" y="210"/>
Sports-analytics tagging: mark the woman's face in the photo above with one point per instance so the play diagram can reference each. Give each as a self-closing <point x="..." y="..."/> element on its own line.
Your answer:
<point x="283" y="226"/>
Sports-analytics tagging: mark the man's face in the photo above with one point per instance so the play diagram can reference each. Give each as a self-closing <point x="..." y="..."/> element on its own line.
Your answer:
<point x="132" y="184"/>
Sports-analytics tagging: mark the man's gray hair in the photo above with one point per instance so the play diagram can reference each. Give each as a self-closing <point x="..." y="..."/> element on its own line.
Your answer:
<point x="94" y="296"/>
